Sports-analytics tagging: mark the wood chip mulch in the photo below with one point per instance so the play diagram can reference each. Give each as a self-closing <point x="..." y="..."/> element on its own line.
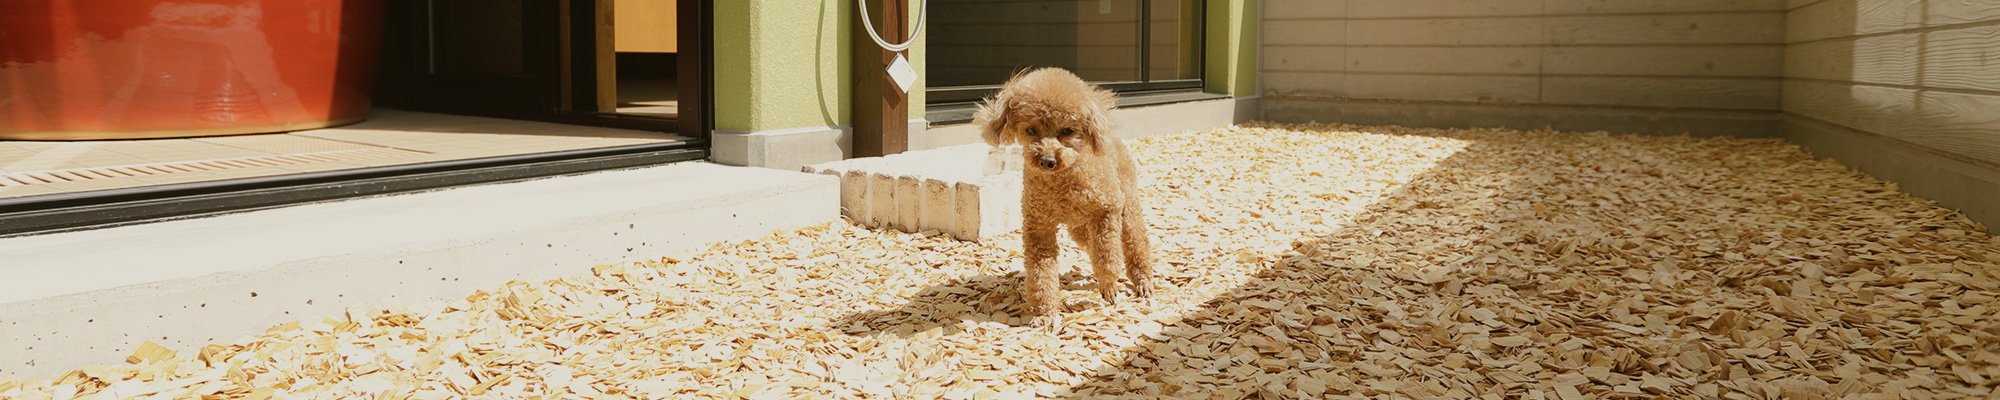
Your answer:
<point x="1299" y="261"/>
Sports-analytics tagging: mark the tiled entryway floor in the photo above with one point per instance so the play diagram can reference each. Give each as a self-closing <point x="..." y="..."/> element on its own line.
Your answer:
<point x="388" y="137"/>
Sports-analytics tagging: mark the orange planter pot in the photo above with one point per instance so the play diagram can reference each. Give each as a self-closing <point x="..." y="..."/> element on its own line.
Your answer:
<point x="127" y="69"/>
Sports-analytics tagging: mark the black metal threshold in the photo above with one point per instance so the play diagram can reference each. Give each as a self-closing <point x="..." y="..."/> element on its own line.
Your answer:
<point x="62" y="212"/>
<point x="961" y="112"/>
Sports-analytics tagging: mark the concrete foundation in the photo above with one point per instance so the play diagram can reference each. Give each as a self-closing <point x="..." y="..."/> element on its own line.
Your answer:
<point x="791" y="148"/>
<point x="88" y="297"/>
<point x="1522" y="116"/>
<point x="1956" y="182"/>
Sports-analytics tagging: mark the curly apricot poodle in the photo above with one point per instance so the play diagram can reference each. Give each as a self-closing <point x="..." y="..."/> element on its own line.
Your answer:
<point x="1076" y="175"/>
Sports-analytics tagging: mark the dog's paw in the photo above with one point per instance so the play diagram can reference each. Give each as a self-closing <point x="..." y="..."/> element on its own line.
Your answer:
<point x="1143" y="289"/>
<point x="1050" y="323"/>
<point x="1110" y="295"/>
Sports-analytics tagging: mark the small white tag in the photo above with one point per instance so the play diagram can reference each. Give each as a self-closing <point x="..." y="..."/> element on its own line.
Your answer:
<point x="901" y="72"/>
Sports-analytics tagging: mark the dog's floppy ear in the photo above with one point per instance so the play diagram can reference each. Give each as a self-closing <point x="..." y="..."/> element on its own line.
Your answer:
<point x="992" y="120"/>
<point x="1101" y="125"/>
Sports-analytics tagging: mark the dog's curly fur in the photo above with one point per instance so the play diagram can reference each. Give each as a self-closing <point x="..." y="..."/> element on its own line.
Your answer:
<point x="1076" y="175"/>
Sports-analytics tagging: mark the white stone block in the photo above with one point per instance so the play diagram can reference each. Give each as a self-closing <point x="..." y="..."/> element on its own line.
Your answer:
<point x="998" y="213"/>
<point x="1006" y="201"/>
<point x="967" y="209"/>
<point x="1002" y="159"/>
<point x="854" y="196"/>
<point x="970" y="192"/>
<point x="938" y="206"/>
<point x="881" y="201"/>
<point x="909" y="204"/>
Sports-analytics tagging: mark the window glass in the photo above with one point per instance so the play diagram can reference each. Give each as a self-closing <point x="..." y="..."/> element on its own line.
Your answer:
<point x="976" y="43"/>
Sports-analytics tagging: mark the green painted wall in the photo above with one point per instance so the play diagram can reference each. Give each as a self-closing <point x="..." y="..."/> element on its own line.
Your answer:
<point x="1231" y="67"/>
<point x="784" y="64"/>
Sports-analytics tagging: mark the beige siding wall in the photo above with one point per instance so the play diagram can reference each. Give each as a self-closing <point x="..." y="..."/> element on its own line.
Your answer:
<point x="1926" y="72"/>
<point x="1513" y="61"/>
<point x="1905" y="90"/>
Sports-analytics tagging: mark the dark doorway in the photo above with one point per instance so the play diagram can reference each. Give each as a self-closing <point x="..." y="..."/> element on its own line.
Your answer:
<point x="552" y="60"/>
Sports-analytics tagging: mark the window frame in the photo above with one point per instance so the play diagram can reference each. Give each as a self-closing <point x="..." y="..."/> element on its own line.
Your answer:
<point x="975" y="93"/>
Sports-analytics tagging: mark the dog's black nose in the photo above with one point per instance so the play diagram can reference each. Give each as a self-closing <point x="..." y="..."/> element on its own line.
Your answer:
<point x="1047" y="162"/>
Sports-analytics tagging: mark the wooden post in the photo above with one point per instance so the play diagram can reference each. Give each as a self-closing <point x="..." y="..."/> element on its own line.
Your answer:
<point x="607" y="57"/>
<point x="881" y="112"/>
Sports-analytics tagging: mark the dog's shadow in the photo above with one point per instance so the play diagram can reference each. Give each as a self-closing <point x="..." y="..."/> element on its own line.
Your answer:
<point x="978" y="299"/>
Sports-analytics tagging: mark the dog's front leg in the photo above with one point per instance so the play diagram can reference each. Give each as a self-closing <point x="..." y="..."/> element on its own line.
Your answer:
<point x="1042" y="289"/>
<point x="1107" y="252"/>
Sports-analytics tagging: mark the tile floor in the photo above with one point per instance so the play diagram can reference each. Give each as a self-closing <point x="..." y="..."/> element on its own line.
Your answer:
<point x="388" y="137"/>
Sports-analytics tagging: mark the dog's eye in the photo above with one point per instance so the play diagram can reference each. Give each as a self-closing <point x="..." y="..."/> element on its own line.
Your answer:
<point x="1068" y="131"/>
<point x="1031" y="131"/>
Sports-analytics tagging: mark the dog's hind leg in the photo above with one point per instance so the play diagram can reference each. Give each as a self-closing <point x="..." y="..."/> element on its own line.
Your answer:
<point x="1138" y="251"/>
<point x="1040" y="284"/>
<point x="1100" y="238"/>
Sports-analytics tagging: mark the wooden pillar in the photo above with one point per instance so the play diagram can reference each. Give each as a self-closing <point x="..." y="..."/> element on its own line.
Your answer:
<point x="881" y="112"/>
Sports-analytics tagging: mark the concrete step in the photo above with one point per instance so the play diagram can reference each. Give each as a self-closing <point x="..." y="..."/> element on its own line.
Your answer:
<point x="88" y="297"/>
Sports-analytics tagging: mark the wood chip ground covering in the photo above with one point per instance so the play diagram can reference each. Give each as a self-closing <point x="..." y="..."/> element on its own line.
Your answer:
<point x="1299" y="261"/>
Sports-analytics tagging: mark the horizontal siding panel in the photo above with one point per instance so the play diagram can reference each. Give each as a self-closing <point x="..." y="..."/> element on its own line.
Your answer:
<point x="1841" y="18"/>
<point x="1304" y="9"/>
<point x="1319" y="32"/>
<point x="1560" y="7"/>
<point x="1669" y="29"/>
<point x="1307" y="84"/>
<point x="1948" y="12"/>
<point x="1890" y="60"/>
<point x="1736" y="94"/>
<point x="1867" y="108"/>
<point x="1441" y="8"/>
<point x="1459" y="32"/>
<point x="1684" y="61"/>
<point x="1483" y="89"/>
<point x="1966" y="124"/>
<point x="1311" y="58"/>
<point x="1965" y="58"/>
<point x="1957" y="123"/>
<point x="1463" y="60"/>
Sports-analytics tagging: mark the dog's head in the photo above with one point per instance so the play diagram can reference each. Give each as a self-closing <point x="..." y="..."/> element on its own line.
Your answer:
<point x="1056" y="117"/>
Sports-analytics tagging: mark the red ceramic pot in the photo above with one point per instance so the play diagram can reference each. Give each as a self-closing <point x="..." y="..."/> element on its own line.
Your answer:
<point x="126" y="69"/>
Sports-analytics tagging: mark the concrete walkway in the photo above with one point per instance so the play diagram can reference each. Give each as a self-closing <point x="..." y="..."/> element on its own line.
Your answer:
<point x="80" y="298"/>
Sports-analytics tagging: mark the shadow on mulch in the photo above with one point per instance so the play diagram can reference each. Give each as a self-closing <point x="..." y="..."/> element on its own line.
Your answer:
<point x="975" y="299"/>
<point x="1492" y="200"/>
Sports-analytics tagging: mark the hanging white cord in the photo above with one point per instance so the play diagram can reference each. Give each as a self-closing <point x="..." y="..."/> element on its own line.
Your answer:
<point x="870" y="23"/>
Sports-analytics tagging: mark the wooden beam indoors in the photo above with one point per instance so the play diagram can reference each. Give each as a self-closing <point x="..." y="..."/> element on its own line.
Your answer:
<point x="607" y="57"/>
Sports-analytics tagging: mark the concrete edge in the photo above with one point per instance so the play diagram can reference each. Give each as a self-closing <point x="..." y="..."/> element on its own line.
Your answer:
<point x="1972" y="188"/>
<point x="1658" y="121"/>
<point x="792" y="148"/>
<point x="45" y="336"/>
